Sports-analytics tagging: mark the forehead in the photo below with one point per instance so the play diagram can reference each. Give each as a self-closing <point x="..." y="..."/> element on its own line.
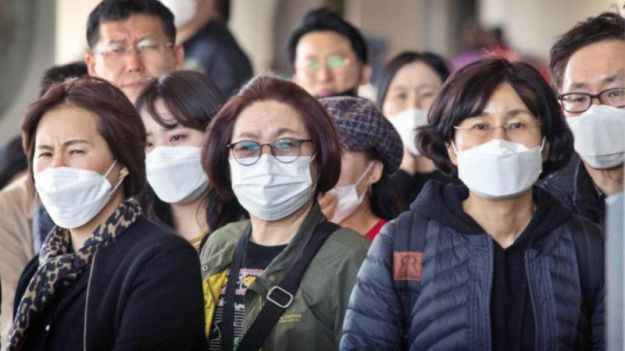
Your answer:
<point x="323" y="43"/>
<point x="162" y="113"/>
<point x="594" y="65"/>
<point x="68" y="122"/>
<point x="416" y="74"/>
<point x="132" y="28"/>
<point x="503" y="99"/>
<point x="267" y="118"/>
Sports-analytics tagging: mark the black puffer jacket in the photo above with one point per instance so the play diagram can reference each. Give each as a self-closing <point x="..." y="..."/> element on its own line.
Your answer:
<point x="451" y="292"/>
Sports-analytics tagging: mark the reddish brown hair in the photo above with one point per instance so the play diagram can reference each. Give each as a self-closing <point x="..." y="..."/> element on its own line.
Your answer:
<point x="318" y="124"/>
<point x="118" y="123"/>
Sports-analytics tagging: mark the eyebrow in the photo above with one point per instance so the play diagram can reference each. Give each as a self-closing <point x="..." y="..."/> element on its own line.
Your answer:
<point x="511" y="113"/>
<point x="607" y="80"/>
<point x="65" y="144"/>
<point x="277" y="133"/>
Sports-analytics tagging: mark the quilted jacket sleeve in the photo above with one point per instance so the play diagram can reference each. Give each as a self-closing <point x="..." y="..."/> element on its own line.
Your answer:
<point x="373" y="318"/>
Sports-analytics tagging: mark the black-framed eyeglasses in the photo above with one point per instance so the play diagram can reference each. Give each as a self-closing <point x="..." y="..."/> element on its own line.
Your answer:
<point x="285" y="150"/>
<point x="580" y="102"/>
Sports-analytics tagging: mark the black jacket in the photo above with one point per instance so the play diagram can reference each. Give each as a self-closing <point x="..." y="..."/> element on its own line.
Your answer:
<point x="449" y="294"/>
<point x="141" y="292"/>
<point x="574" y="187"/>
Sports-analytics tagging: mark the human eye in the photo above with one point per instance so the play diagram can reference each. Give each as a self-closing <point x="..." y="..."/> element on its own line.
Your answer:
<point x="177" y="137"/>
<point x="312" y="65"/>
<point x="515" y="125"/>
<point x="114" y="48"/>
<point x="285" y="144"/>
<point x="575" y="98"/>
<point x="75" y="152"/>
<point x="245" y="148"/>
<point x="44" y="154"/>
<point x="336" y="61"/>
<point x="616" y="93"/>
<point x="479" y="126"/>
<point x="147" y="44"/>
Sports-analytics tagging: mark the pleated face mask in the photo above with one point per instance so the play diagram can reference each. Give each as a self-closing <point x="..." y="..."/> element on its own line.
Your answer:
<point x="270" y="189"/>
<point x="175" y="173"/>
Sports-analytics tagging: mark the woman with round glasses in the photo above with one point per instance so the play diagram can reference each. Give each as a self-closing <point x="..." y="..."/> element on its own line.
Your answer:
<point x="494" y="263"/>
<point x="176" y="109"/>
<point x="274" y="148"/>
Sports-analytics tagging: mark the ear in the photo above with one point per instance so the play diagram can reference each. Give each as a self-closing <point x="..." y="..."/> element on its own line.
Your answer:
<point x="451" y="152"/>
<point x="178" y="55"/>
<point x="365" y="75"/>
<point x="90" y="62"/>
<point x="123" y="172"/>
<point x="376" y="172"/>
<point x="546" y="149"/>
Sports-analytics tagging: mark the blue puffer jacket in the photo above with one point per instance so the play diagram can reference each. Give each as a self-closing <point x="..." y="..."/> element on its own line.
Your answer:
<point x="447" y="298"/>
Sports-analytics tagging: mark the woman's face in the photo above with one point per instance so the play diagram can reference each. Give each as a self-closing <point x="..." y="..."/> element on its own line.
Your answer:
<point x="360" y="170"/>
<point x="178" y="135"/>
<point x="269" y="120"/>
<point x="504" y="108"/>
<point x="414" y="86"/>
<point x="68" y="136"/>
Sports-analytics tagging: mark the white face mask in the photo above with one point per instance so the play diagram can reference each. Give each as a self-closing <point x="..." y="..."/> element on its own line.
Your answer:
<point x="600" y="136"/>
<point x="270" y="189"/>
<point x="406" y="122"/>
<point x="73" y="196"/>
<point x="499" y="168"/>
<point x="347" y="198"/>
<point x="183" y="10"/>
<point x="175" y="173"/>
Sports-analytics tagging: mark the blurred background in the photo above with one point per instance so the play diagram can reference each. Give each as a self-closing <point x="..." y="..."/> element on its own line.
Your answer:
<point x="36" y="34"/>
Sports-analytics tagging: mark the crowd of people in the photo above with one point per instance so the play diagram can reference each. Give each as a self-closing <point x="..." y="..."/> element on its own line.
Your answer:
<point x="147" y="206"/>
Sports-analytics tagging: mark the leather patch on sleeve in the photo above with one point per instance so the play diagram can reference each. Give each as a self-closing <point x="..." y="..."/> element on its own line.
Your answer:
<point x="407" y="265"/>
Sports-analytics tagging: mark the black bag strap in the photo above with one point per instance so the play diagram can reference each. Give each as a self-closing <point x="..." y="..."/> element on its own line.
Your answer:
<point x="279" y="297"/>
<point x="410" y="235"/>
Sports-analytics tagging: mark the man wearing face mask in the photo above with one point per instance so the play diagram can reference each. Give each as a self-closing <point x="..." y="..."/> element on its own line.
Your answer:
<point x="588" y="65"/>
<point x="329" y="55"/>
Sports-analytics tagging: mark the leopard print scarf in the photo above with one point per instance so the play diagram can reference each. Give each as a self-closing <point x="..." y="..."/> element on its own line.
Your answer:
<point x="59" y="266"/>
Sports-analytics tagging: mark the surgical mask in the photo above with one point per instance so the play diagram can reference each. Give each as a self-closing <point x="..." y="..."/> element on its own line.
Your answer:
<point x="600" y="136"/>
<point x="175" y="173"/>
<point x="347" y="198"/>
<point x="499" y="168"/>
<point x="183" y="10"/>
<point x="270" y="189"/>
<point x="406" y="122"/>
<point x="73" y="196"/>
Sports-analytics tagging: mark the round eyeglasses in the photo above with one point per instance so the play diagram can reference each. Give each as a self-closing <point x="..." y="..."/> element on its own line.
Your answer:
<point x="580" y="102"/>
<point x="285" y="150"/>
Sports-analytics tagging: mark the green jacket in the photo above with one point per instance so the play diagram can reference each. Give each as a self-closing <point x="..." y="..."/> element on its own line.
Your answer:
<point x="314" y="320"/>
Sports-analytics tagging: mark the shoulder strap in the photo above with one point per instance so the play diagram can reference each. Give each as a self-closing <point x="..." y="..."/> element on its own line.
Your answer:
<point x="409" y="237"/>
<point x="280" y="297"/>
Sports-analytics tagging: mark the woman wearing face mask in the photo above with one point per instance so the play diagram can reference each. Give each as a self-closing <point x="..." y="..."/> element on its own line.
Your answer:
<point x="105" y="278"/>
<point x="274" y="148"/>
<point x="364" y="198"/>
<point x="409" y="84"/>
<point x="176" y="109"/>
<point x="496" y="263"/>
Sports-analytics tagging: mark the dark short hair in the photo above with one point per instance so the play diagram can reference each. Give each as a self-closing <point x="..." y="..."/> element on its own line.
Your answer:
<point x="193" y="99"/>
<point x="118" y="123"/>
<point x="325" y="20"/>
<point x="467" y="92"/>
<point x="318" y="124"/>
<point x="433" y="61"/>
<point x="606" y="26"/>
<point x="61" y="73"/>
<point x="119" y="10"/>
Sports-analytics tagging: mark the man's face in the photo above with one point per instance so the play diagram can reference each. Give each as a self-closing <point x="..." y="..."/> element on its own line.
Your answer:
<point x="594" y="69"/>
<point x="130" y="52"/>
<point x="326" y="64"/>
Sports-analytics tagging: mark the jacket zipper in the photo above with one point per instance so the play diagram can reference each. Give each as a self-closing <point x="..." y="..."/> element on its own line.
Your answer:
<point x="84" y="336"/>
